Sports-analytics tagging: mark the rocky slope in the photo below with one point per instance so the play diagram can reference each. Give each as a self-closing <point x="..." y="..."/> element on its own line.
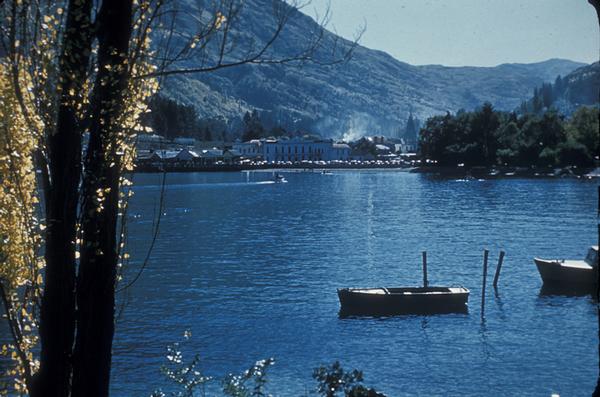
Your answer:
<point x="372" y="93"/>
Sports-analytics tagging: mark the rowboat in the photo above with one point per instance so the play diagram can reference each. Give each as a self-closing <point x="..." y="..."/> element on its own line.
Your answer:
<point x="565" y="272"/>
<point x="403" y="300"/>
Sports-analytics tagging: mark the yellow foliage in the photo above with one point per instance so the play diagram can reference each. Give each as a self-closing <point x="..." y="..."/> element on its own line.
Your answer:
<point x="20" y="264"/>
<point x="18" y="236"/>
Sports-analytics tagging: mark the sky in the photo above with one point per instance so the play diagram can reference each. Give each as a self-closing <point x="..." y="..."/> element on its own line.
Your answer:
<point x="469" y="32"/>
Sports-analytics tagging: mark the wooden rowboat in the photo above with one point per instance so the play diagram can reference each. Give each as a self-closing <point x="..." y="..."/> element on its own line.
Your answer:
<point x="404" y="300"/>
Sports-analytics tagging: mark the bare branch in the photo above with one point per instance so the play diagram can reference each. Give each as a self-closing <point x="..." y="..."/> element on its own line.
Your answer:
<point x="319" y="42"/>
<point x="154" y="236"/>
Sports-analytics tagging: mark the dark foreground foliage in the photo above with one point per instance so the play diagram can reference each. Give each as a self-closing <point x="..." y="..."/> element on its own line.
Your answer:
<point x="334" y="381"/>
<point x="185" y="379"/>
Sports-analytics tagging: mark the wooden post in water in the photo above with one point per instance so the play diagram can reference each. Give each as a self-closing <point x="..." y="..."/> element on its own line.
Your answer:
<point x="497" y="275"/>
<point x="425" y="282"/>
<point x="485" y="263"/>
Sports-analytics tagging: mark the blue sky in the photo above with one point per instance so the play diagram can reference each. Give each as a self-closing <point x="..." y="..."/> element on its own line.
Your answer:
<point x="469" y="32"/>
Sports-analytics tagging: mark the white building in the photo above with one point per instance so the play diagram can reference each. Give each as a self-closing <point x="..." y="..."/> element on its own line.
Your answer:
<point x="340" y="151"/>
<point x="249" y="150"/>
<point x="293" y="150"/>
<point x="405" y="146"/>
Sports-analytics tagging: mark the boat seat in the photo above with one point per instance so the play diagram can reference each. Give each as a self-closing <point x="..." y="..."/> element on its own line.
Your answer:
<point x="576" y="264"/>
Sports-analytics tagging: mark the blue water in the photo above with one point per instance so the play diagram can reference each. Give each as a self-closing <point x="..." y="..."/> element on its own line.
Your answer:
<point x="252" y="267"/>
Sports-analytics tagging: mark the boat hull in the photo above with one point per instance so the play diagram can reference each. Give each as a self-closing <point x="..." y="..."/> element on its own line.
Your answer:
<point x="393" y="301"/>
<point x="560" y="273"/>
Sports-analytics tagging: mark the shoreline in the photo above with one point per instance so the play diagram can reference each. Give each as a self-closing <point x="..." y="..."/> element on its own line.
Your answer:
<point x="511" y="172"/>
<point x="262" y="167"/>
<point x="443" y="171"/>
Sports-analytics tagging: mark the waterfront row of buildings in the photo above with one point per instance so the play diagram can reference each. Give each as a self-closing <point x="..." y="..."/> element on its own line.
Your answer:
<point x="186" y="152"/>
<point x="188" y="158"/>
<point x="297" y="149"/>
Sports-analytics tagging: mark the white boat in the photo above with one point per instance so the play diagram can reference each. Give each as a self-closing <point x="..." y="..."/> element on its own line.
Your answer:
<point x="278" y="178"/>
<point x="568" y="272"/>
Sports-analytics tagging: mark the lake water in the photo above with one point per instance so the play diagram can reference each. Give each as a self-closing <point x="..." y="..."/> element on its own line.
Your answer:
<point x="252" y="267"/>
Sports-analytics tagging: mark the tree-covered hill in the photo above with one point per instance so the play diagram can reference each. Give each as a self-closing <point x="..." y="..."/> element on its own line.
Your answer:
<point x="566" y="94"/>
<point x="373" y="93"/>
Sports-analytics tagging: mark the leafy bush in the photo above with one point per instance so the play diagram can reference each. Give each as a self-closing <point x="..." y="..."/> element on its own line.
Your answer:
<point x="185" y="379"/>
<point x="574" y="153"/>
<point x="548" y="157"/>
<point x="334" y="380"/>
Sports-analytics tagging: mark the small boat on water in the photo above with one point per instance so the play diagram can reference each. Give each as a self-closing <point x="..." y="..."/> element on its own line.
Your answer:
<point x="566" y="272"/>
<point x="278" y="178"/>
<point x="404" y="300"/>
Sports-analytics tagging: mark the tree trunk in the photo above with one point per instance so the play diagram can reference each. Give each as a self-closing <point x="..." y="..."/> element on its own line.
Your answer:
<point x="596" y="4"/>
<point x="57" y="325"/>
<point x="97" y="269"/>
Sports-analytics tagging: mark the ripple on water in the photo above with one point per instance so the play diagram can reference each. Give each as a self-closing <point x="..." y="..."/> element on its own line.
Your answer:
<point x="252" y="270"/>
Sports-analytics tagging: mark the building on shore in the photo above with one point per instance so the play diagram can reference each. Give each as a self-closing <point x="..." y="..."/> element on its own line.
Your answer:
<point x="188" y="158"/>
<point x="293" y="150"/>
<point x="404" y="146"/>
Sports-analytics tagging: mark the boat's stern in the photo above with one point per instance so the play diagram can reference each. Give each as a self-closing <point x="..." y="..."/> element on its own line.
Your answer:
<point x="566" y="272"/>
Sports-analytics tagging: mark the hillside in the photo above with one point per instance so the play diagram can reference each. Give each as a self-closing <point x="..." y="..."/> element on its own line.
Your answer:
<point x="372" y="93"/>
<point x="580" y="87"/>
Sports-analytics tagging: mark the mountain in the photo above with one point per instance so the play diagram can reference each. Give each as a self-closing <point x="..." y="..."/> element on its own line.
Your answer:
<point x="580" y="87"/>
<point x="373" y="93"/>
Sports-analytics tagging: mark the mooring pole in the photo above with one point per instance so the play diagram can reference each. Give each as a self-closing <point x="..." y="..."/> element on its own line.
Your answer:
<point x="497" y="275"/>
<point x="485" y="263"/>
<point x="425" y="282"/>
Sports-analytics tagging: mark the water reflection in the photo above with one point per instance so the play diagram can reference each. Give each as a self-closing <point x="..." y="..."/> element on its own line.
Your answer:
<point x="425" y="324"/>
<point x="499" y="304"/>
<point x="549" y="290"/>
<point x="485" y="345"/>
<point x="248" y="258"/>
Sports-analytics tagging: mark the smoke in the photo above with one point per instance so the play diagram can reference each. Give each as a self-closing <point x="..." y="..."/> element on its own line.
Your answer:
<point x="353" y="126"/>
<point x="359" y="125"/>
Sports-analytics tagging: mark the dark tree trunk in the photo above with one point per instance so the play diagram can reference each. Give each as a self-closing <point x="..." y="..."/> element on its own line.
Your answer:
<point x="596" y="4"/>
<point x="57" y="325"/>
<point x="97" y="269"/>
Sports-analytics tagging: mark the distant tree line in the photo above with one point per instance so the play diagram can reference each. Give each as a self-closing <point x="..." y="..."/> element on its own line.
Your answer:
<point x="411" y="131"/>
<point x="172" y="119"/>
<point x="486" y="137"/>
<point x="254" y="128"/>
<point x="364" y="146"/>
